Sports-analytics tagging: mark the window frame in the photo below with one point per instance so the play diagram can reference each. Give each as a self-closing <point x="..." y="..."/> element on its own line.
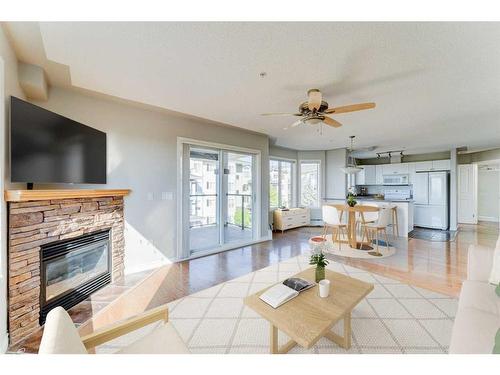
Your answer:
<point x="318" y="163"/>
<point x="293" y="179"/>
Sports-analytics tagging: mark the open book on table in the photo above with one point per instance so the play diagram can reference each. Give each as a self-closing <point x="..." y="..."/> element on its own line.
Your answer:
<point x="278" y="294"/>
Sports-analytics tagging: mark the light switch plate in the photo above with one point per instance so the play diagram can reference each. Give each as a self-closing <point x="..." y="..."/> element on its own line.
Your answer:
<point x="167" y="196"/>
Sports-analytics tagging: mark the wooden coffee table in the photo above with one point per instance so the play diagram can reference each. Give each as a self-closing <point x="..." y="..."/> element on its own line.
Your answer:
<point x="307" y="317"/>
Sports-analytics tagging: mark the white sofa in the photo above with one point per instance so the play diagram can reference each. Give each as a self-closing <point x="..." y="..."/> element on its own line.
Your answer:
<point x="478" y="315"/>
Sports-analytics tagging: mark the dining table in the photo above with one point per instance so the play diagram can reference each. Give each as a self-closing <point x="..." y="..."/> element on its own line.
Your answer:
<point x="351" y="223"/>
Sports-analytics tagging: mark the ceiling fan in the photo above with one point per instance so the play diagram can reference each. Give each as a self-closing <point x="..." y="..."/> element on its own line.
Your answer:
<point x="315" y="110"/>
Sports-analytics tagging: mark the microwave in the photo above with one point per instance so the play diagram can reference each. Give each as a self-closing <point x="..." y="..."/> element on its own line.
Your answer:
<point x="396" y="179"/>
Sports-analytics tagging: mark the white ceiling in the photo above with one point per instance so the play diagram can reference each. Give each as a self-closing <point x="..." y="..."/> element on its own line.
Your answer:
<point x="436" y="85"/>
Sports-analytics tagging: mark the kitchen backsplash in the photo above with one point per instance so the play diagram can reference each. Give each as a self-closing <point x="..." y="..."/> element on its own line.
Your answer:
<point x="379" y="189"/>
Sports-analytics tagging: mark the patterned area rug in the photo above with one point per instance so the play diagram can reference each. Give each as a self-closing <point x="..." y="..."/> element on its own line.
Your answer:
<point x="394" y="318"/>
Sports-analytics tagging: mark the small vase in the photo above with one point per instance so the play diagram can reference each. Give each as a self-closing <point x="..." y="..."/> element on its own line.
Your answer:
<point x="320" y="273"/>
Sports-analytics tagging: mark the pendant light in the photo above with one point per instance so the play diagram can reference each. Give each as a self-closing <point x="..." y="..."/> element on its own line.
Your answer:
<point x="351" y="167"/>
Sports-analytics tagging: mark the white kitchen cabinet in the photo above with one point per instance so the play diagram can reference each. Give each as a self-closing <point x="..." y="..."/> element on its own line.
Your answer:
<point x="379" y="174"/>
<point x="423" y="166"/>
<point x="360" y="177"/>
<point x="411" y="173"/>
<point x="367" y="176"/>
<point x="441" y="165"/>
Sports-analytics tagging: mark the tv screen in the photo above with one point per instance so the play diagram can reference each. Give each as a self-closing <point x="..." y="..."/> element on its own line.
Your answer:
<point x="49" y="148"/>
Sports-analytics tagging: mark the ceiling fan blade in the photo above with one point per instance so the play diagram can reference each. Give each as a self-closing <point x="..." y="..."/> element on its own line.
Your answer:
<point x="296" y="123"/>
<point x="351" y="108"/>
<point x="332" y="122"/>
<point x="281" y="114"/>
<point x="314" y="99"/>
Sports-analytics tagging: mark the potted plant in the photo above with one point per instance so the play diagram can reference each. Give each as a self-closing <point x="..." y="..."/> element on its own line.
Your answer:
<point x="351" y="200"/>
<point x="351" y="197"/>
<point x="320" y="261"/>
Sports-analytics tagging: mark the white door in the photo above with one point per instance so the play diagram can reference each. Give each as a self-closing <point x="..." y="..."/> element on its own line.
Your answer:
<point x="421" y="188"/>
<point x="467" y="193"/>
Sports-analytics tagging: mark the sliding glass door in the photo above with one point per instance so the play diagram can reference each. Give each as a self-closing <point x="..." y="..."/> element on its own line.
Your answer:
<point x="221" y="198"/>
<point x="238" y="205"/>
<point x="204" y="199"/>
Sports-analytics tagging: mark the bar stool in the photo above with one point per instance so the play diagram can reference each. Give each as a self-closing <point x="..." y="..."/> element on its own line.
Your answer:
<point x="394" y="219"/>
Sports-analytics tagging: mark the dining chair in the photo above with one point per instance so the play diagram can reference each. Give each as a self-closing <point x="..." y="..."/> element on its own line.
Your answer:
<point x="371" y="230"/>
<point x="331" y="219"/>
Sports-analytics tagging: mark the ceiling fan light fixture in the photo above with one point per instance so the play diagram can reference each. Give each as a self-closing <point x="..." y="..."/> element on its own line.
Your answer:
<point x="312" y="121"/>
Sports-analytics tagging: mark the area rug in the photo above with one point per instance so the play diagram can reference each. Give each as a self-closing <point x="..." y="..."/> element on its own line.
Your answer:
<point x="349" y="252"/>
<point x="394" y="318"/>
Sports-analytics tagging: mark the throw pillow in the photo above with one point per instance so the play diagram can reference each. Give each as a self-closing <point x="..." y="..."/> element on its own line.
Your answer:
<point x="495" y="269"/>
<point x="496" y="348"/>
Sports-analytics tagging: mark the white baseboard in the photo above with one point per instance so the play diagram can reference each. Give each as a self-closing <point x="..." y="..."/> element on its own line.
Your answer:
<point x="488" y="218"/>
<point x="4" y="342"/>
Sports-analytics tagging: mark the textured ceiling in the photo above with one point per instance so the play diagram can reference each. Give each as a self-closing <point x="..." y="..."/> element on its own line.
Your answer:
<point x="436" y="85"/>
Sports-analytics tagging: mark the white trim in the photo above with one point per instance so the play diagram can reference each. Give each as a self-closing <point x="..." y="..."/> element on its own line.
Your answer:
<point x="488" y="218"/>
<point x="227" y="247"/>
<point x="180" y="251"/>
<point x="280" y="158"/>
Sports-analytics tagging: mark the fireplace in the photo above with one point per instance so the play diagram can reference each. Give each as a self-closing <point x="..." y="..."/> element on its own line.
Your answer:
<point x="71" y="270"/>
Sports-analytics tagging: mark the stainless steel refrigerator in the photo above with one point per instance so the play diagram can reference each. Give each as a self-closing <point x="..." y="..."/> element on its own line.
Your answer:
<point x="431" y="197"/>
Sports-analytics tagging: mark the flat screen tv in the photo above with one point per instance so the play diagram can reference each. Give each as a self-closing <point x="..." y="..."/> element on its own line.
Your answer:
<point x="49" y="148"/>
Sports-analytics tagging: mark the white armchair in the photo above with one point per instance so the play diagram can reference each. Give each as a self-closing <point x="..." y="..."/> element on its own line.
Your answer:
<point x="60" y="335"/>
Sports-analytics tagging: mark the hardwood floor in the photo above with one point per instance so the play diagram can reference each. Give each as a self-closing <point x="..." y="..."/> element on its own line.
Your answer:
<point x="438" y="266"/>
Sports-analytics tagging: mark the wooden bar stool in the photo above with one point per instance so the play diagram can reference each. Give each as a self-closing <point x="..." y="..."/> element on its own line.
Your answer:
<point x="394" y="218"/>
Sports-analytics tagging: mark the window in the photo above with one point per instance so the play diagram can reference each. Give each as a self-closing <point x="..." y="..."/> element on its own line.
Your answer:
<point x="281" y="183"/>
<point x="309" y="183"/>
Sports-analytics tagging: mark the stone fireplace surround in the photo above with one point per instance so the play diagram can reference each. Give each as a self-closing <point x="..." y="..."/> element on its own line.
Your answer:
<point x="38" y="217"/>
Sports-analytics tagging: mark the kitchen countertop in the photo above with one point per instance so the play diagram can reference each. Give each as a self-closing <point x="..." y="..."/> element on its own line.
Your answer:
<point x="372" y="199"/>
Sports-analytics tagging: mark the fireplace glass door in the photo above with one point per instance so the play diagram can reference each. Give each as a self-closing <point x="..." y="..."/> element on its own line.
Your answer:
<point x="71" y="270"/>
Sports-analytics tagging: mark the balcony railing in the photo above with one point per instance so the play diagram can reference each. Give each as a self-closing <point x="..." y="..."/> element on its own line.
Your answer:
<point x="241" y="218"/>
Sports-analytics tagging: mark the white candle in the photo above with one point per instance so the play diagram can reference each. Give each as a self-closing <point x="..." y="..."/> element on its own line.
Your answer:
<point x="324" y="288"/>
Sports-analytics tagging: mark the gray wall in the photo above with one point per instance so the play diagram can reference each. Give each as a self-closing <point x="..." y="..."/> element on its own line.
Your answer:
<point x="281" y="152"/>
<point x="336" y="179"/>
<point x="142" y="156"/>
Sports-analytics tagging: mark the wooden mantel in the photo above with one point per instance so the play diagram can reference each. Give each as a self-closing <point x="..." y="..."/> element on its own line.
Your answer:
<point x="40" y="195"/>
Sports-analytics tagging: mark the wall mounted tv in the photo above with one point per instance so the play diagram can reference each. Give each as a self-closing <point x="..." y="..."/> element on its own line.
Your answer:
<point x="49" y="148"/>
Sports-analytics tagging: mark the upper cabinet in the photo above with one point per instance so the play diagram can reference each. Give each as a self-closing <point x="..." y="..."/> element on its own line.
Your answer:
<point x="441" y="165"/>
<point x="374" y="174"/>
<point x="423" y="166"/>
<point x="379" y="174"/>
<point x="401" y="168"/>
<point x="367" y="176"/>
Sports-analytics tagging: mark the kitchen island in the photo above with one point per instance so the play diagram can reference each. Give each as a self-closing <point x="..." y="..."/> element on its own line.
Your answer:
<point x="404" y="209"/>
